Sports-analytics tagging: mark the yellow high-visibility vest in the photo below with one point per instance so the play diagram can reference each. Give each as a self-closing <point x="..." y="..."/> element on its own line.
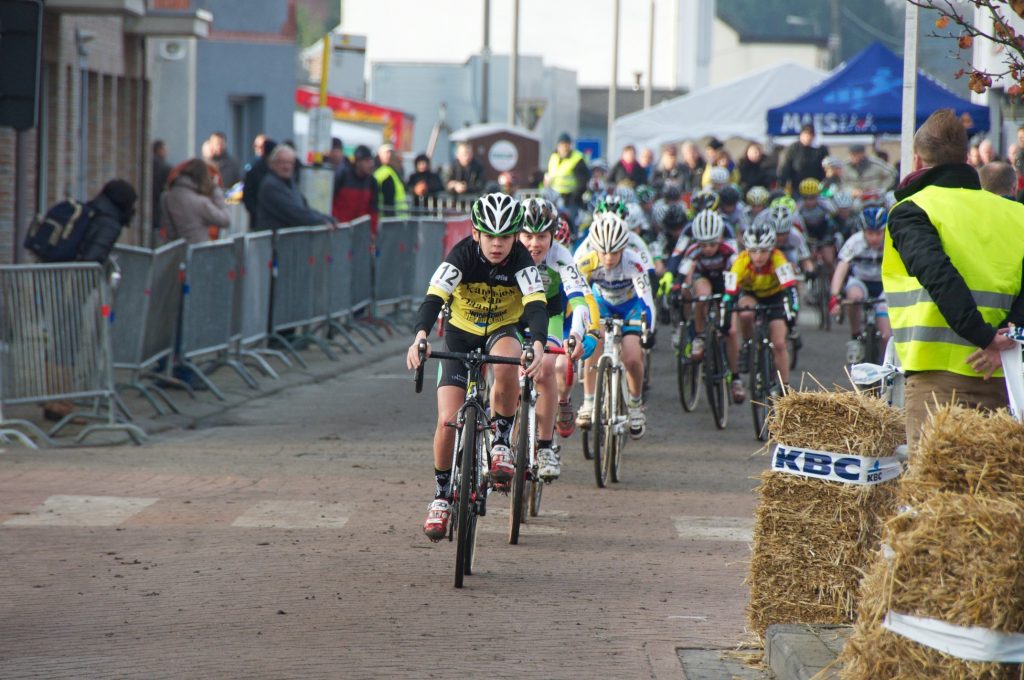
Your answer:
<point x="560" y="170"/>
<point x="381" y="174"/>
<point x="983" y="236"/>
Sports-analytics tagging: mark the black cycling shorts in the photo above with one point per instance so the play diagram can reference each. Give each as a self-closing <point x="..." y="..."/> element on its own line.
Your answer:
<point x="777" y="302"/>
<point x="717" y="282"/>
<point x="451" y="373"/>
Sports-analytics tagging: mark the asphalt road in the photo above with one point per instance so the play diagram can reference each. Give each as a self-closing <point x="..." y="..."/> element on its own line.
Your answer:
<point x="283" y="540"/>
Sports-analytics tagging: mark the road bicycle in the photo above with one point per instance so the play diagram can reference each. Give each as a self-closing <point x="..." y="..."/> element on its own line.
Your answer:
<point x="605" y="439"/>
<point x="715" y="366"/>
<point x="471" y="454"/>
<point x="819" y="289"/>
<point x="688" y="371"/>
<point x="764" y="381"/>
<point x="534" y="491"/>
<point x="869" y="338"/>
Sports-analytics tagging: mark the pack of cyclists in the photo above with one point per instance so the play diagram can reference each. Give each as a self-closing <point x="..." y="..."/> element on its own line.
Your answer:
<point x="526" y="272"/>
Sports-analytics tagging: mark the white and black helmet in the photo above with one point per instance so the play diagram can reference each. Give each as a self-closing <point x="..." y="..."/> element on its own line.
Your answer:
<point x="760" y="235"/>
<point x="758" y="196"/>
<point x="841" y="199"/>
<point x="707" y="226"/>
<point x="497" y="214"/>
<point x="719" y="175"/>
<point x="608" y="233"/>
<point x="539" y="215"/>
<point x="636" y="219"/>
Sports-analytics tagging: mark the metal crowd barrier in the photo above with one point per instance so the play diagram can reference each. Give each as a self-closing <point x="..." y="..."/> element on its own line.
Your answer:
<point x="338" y="296"/>
<point x="429" y="254"/>
<point x="299" y="253"/>
<point x="252" y="310"/>
<point x="363" y="279"/>
<point x="441" y="206"/>
<point x="145" y="317"/>
<point x="207" y="313"/>
<point x="55" y="345"/>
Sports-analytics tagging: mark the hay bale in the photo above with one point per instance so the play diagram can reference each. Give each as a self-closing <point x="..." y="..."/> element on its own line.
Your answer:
<point x="956" y="558"/>
<point x="813" y="538"/>
<point x="966" y="451"/>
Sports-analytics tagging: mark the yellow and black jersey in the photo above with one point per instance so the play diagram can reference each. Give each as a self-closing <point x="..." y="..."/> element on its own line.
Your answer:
<point x="482" y="296"/>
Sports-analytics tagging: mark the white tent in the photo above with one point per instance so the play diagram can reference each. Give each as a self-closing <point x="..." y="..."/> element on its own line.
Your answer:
<point x="735" y="109"/>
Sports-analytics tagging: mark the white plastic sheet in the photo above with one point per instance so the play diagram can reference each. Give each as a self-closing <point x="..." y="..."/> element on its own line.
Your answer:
<point x="972" y="643"/>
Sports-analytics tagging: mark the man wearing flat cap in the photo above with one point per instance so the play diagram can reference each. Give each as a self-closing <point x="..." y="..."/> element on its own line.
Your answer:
<point x="867" y="175"/>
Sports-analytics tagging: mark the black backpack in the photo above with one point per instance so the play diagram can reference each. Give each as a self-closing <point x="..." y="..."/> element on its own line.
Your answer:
<point x="58" y="237"/>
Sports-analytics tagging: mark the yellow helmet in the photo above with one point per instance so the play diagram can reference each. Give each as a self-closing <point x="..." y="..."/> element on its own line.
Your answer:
<point x="810" y="187"/>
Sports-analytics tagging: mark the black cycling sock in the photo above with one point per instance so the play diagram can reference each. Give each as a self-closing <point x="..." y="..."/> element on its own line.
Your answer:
<point x="442" y="483"/>
<point x="503" y="429"/>
<point x="545" y="443"/>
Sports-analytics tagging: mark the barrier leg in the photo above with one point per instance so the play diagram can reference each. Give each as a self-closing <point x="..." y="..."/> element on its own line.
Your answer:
<point x="141" y="389"/>
<point x="258" y="361"/>
<point x="351" y="325"/>
<point x="266" y="351"/>
<point x="343" y="332"/>
<point x="245" y="375"/>
<point x="121" y="406"/>
<point x="312" y="336"/>
<point x="289" y="349"/>
<point x="33" y="430"/>
<point x="202" y="377"/>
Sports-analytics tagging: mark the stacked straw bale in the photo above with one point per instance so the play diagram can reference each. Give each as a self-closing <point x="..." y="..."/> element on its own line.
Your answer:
<point x="813" y="538"/>
<point x="956" y="552"/>
<point x="956" y="558"/>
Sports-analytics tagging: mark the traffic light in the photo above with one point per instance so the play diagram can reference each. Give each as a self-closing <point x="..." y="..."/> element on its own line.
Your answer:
<point x="21" y="31"/>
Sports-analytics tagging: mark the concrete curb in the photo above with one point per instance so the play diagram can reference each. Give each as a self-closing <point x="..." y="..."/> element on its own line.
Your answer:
<point x="802" y="652"/>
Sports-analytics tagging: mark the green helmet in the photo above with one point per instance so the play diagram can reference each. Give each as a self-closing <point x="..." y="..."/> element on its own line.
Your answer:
<point x="612" y="204"/>
<point x="497" y="214"/>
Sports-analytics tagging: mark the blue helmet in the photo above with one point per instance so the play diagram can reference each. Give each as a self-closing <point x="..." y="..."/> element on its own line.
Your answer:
<point x="873" y="218"/>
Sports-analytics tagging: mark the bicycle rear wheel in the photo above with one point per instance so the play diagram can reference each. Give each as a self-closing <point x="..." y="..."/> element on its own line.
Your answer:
<point x="716" y="378"/>
<point x="687" y="373"/>
<point x="602" y="419"/>
<point x="871" y="342"/>
<point x="820" y="288"/>
<point x="464" y="516"/>
<point x="647" y="372"/>
<point x="522" y="452"/>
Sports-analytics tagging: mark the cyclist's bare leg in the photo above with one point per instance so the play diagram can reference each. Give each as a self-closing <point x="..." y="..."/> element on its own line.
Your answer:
<point x="449" y="399"/>
<point x="633" y="360"/>
<point x="561" y="365"/>
<point x="777" y="331"/>
<point x="547" y="397"/>
<point x="884" y="328"/>
<point x="855" y="294"/>
<point x="746" y="319"/>
<point x="701" y="288"/>
<point x="505" y="389"/>
<point x="828" y="258"/>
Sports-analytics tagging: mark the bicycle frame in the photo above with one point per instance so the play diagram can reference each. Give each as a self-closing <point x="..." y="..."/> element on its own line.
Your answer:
<point x="612" y="348"/>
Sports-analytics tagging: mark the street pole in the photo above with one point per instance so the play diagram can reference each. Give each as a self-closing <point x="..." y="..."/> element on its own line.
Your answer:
<point x="835" y="39"/>
<point x="613" y="89"/>
<point x="513" y="65"/>
<point x="82" y="39"/>
<point x="909" y="91"/>
<point x="649" y="88"/>
<point x="485" y="66"/>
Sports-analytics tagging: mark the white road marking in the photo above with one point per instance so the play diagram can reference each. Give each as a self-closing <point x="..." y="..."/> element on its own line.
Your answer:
<point x="679" y="617"/>
<point x="293" y="515"/>
<point x="82" y="511"/>
<point x="739" y="529"/>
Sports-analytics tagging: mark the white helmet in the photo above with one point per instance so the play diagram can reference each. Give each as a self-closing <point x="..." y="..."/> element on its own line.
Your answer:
<point x="608" y="233"/>
<point x="760" y="235"/>
<point x="635" y="217"/>
<point x="758" y="196"/>
<point x="719" y="175"/>
<point x="497" y="214"/>
<point x="841" y="199"/>
<point x="780" y="218"/>
<point x="707" y="226"/>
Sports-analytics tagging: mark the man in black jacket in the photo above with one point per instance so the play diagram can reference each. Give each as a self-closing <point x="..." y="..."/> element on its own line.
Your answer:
<point x="281" y="204"/>
<point x="113" y="209"/>
<point x="802" y="160"/>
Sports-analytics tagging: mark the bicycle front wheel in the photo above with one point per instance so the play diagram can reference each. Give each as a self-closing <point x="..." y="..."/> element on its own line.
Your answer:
<point x="464" y="516"/>
<point x="758" y="387"/>
<point x="602" y="420"/>
<point x="617" y="433"/>
<point x="687" y="373"/>
<point x="522" y="452"/>
<point x="716" y="378"/>
<point x="820" y="289"/>
<point x="536" y="491"/>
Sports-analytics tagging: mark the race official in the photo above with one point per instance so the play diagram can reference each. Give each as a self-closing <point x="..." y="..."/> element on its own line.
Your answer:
<point x="952" y="270"/>
<point x="567" y="172"/>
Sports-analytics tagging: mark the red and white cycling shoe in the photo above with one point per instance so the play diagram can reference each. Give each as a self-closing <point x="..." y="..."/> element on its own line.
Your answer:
<point x="439" y="513"/>
<point x="503" y="464"/>
<point x="566" y="423"/>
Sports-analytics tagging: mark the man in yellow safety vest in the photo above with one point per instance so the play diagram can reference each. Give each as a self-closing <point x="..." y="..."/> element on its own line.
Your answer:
<point x="567" y="173"/>
<point x="390" y="189"/>
<point x="952" y="270"/>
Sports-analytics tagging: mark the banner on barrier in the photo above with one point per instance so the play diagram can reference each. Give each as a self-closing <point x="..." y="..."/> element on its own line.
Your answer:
<point x="835" y="467"/>
<point x="456" y="230"/>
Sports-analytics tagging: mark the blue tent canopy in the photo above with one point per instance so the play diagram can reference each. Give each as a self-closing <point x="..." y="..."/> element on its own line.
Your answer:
<point x="866" y="97"/>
